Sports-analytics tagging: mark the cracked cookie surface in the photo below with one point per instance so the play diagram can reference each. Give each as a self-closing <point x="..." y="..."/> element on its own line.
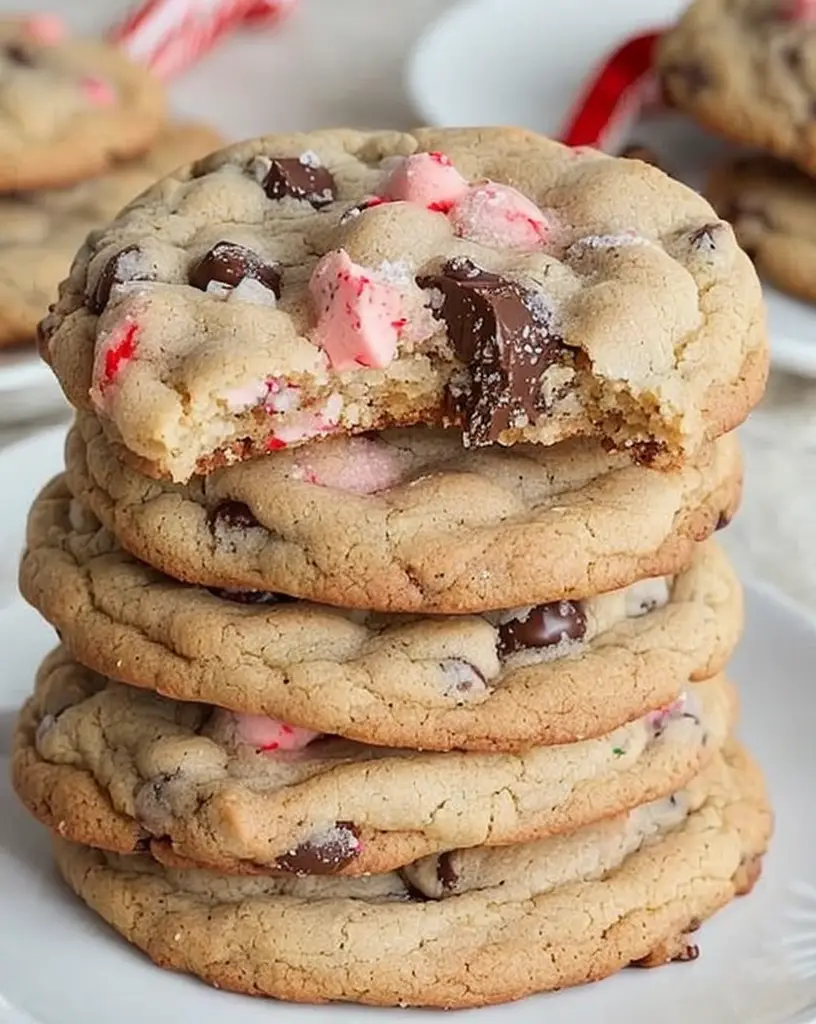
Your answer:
<point x="772" y="207"/>
<point x="550" y="674"/>
<point x="408" y="521"/>
<point x="117" y="767"/>
<point x="522" y="919"/>
<point x="69" y="107"/>
<point x="301" y="285"/>
<point x="745" y="68"/>
<point x="40" y="232"/>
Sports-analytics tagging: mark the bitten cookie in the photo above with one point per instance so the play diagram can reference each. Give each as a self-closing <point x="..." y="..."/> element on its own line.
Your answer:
<point x="506" y="680"/>
<point x="69" y="107"/>
<point x="40" y="232"/>
<point x="121" y="768"/>
<point x="744" y="69"/>
<point x="772" y="207"/>
<point x="342" y="281"/>
<point x="408" y="521"/>
<point x="474" y="927"/>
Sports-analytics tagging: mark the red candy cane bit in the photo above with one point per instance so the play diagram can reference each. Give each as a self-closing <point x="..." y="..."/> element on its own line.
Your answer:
<point x="119" y="354"/>
<point x="614" y="96"/>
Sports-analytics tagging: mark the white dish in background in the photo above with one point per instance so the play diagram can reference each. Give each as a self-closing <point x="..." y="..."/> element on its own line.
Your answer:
<point x="60" y="965"/>
<point x="524" y="62"/>
<point x="28" y="388"/>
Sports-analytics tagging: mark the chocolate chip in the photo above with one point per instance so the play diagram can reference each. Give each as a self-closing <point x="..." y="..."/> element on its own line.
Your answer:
<point x="704" y="239"/>
<point x="324" y="854"/>
<point x="250" y="596"/>
<point x="446" y="874"/>
<point x="689" y="952"/>
<point x="792" y="56"/>
<point x="723" y="521"/>
<point x="17" y="54"/>
<point x="115" y="271"/>
<point x="504" y="335"/>
<point x="645" y="453"/>
<point x="545" y="625"/>
<point x="229" y="263"/>
<point x="299" y="178"/>
<point x="233" y="515"/>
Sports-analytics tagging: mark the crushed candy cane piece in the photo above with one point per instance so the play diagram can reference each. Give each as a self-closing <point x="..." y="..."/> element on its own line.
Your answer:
<point x="427" y="179"/>
<point x="268" y="734"/>
<point x="119" y="349"/>
<point x="500" y="217"/>
<point x="46" y="29"/>
<point x="97" y="91"/>
<point x="361" y="465"/>
<point x="801" y="10"/>
<point x="359" y="318"/>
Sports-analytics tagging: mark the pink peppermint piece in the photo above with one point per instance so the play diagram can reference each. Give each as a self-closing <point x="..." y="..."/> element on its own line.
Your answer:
<point x="359" y="318"/>
<point x="46" y="29"/>
<point x="305" y="425"/>
<point x="362" y="465"/>
<point x="500" y="217"/>
<point x="268" y="734"/>
<point x="801" y="10"/>
<point x="427" y="179"/>
<point x="97" y="91"/>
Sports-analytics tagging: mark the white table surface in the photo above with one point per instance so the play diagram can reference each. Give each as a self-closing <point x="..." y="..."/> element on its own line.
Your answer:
<point x="341" y="62"/>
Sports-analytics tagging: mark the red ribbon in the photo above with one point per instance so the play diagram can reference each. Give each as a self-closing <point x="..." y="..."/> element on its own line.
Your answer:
<point x="614" y="93"/>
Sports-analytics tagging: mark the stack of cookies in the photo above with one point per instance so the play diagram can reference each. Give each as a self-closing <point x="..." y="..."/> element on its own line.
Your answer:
<point x="392" y="634"/>
<point x="82" y="131"/>
<point x="744" y="69"/>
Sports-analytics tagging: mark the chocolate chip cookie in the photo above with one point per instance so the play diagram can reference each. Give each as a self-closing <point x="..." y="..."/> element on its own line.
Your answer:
<point x="69" y="108"/>
<point x="408" y="521"/>
<point x="118" y="767"/>
<point x="772" y="207"/>
<point x="40" y="232"/>
<point x="745" y="68"/>
<point x="554" y="673"/>
<point x="516" y="920"/>
<point x="303" y="285"/>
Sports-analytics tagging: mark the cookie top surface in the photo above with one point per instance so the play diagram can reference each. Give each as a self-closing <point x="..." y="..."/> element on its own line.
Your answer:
<point x="68" y="107"/>
<point x="344" y="281"/>
<point x="745" y="69"/>
<point x="215" y="787"/>
<point x="515" y="921"/>
<point x="409" y="521"/>
<point x="40" y="232"/>
<point x="554" y="673"/>
<point x="772" y="207"/>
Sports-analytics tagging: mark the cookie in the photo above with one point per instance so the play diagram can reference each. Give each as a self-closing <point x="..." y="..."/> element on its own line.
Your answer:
<point x="40" y="232"/>
<point x="554" y="673"/>
<point x="487" y="927"/>
<point x="772" y="207"/>
<point x="303" y="285"/>
<point x="111" y="765"/>
<point x="69" y="108"/>
<point x="408" y="521"/>
<point x="743" y="69"/>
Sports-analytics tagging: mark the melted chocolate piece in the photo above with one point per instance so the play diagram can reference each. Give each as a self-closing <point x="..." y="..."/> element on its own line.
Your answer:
<point x="547" y="624"/>
<point x="234" y="515"/>
<point x="299" y="179"/>
<point x="504" y="335"/>
<point x="229" y="263"/>
<point x="113" y="273"/>
<point x="446" y="874"/>
<point x="16" y="53"/>
<point x="325" y="854"/>
<point x="251" y="596"/>
<point x="723" y="521"/>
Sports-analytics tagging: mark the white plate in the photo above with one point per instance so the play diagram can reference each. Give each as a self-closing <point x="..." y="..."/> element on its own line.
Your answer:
<point x="28" y="388"/>
<point x="60" y="965"/>
<point x="524" y="62"/>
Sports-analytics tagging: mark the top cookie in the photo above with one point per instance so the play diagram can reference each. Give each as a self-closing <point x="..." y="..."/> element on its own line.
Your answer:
<point x="745" y="69"/>
<point x="40" y="232"/>
<point x="68" y="107"/>
<point x="344" y="281"/>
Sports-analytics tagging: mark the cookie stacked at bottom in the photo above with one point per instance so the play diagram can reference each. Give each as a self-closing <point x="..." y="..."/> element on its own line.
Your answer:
<point x="503" y="739"/>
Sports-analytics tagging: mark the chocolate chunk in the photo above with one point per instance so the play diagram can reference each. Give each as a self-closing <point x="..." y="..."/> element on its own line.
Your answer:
<point x="446" y="874"/>
<point x="233" y="515"/>
<point x="300" y="178"/>
<point x="250" y="596"/>
<point x="545" y="625"/>
<point x="115" y="271"/>
<point x="504" y="335"/>
<point x="228" y="263"/>
<point x="792" y="56"/>
<point x="17" y="54"/>
<point x="723" y="521"/>
<point x="689" y="952"/>
<point x="324" y="854"/>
